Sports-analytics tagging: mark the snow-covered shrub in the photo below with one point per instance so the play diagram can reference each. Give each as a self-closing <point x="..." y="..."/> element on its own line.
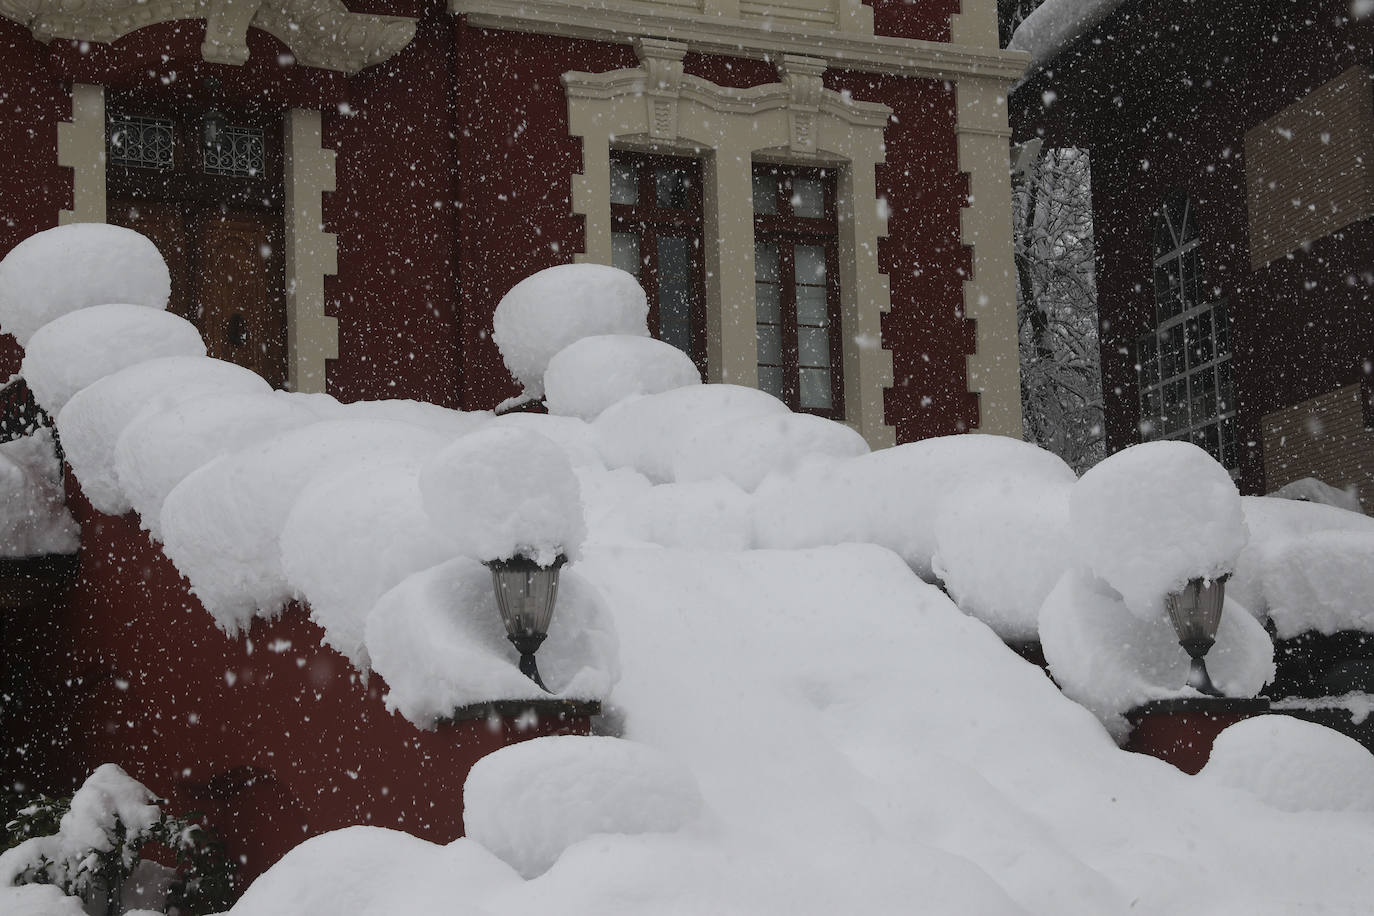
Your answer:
<point x="549" y="310"/>
<point x="34" y="519"/>
<point x="649" y="433"/>
<point x="529" y="802"/>
<point x="1322" y="581"/>
<point x="222" y="525"/>
<point x="98" y="843"/>
<point x="81" y="347"/>
<point x="1153" y="516"/>
<point x="591" y="374"/>
<point x="1111" y="659"/>
<point x="745" y="450"/>
<point x="72" y="267"/>
<point x="704" y="515"/>
<point x="94" y="418"/>
<point x="1293" y="765"/>
<point x="438" y="641"/>
<point x="159" y="448"/>
<point x="894" y="496"/>
<point x="1274" y="525"/>
<point x="1001" y="545"/>
<point x="503" y="491"/>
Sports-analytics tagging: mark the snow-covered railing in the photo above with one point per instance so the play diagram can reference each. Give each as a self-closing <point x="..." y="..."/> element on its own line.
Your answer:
<point x="20" y="414"/>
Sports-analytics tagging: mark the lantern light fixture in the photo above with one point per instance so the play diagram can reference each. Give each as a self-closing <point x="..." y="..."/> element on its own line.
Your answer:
<point x="525" y="595"/>
<point x="1195" y="612"/>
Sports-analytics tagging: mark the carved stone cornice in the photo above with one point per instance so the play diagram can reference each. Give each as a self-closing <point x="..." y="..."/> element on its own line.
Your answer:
<point x="320" y="33"/>
<point x="622" y="21"/>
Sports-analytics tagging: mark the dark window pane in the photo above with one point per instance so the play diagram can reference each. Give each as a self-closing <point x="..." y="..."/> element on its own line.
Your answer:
<point x="625" y="252"/>
<point x="676" y="291"/>
<point x="765" y="194"/>
<point x="808" y="197"/>
<point x="770" y="380"/>
<point x="815" y="388"/>
<point x="812" y="306"/>
<point x="672" y="185"/>
<point x="810" y="264"/>
<point x="813" y="347"/>
<point x="769" y="344"/>
<point x="766" y="262"/>
<point x="624" y="182"/>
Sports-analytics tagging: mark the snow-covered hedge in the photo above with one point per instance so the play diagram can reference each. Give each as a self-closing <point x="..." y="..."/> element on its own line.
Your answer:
<point x="33" y="512"/>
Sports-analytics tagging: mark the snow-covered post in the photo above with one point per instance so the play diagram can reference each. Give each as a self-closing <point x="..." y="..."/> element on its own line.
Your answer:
<point x="509" y="498"/>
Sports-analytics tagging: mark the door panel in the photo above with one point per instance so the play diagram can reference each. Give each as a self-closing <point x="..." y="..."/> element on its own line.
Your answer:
<point x="165" y="224"/>
<point x="241" y="319"/>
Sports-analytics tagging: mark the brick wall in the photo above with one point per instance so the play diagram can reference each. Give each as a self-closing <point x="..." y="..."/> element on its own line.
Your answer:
<point x="1309" y="170"/>
<point x="1325" y="438"/>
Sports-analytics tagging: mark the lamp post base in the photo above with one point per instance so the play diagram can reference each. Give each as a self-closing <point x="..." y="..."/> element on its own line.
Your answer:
<point x="1181" y="730"/>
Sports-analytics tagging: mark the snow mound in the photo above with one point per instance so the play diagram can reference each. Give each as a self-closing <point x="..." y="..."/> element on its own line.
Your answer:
<point x="370" y="871"/>
<point x="893" y="497"/>
<point x="1273" y="523"/>
<point x="706" y="514"/>
<point x="591" y="374"/>
<point x="1000" y="549"/>
<point x="1293" y="765"/>
<point x="551" y="309"/>
<point x="353" y="534"/>
<point x="221" y="526"/>
<point x="81" y="347"/>
<point x="529" y="802"/>
<point x="504" y="491"/>
<point x="94" y="418"/>
<point x="648" y="433"/>
<point x="38" y="900"/>
<point x="573" y="436"/>
<point x="1153" y="516"/>
<point x="1111" y="660"/>
<point x="1322" y="581"/>
<point x="158" y="449"/>
<point x="438" y="641"/>
<point x="439" y="420"/>
<point x="745" y="450"/>
<point x="72" y="267"/>
<point x="1312" y="490"/>
<point x="34" y="519"/>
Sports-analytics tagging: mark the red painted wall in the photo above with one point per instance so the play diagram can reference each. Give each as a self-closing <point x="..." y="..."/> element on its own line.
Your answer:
<point x="273" y="736"/>
<point x="1167" y="106"/>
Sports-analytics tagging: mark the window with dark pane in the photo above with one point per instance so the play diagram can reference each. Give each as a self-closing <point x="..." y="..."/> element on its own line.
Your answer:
<point x="796" y="289"/>
<point x="656" y="235"/>
<point x="1184" y="364"/>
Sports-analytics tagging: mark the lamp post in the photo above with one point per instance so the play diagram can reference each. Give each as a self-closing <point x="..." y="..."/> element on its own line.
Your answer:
<point x="525" y="595"/>
<point x="1196" y="613"/>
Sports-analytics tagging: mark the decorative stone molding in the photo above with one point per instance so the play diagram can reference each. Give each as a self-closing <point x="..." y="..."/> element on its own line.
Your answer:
<point x="657" y="106"/>
<point x="994" y="368"/>
<point x="321" y="33"/>
<point x="81" y="148"/>
<point x="740" y="28"/>
<point x="311" y="253"/>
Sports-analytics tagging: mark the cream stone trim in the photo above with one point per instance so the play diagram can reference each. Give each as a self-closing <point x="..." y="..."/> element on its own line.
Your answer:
<point x="716" y="28"/>
<point x="994" y="368"/>
<point x="81" y="148"/>
<point x="975" y="25"/>
<point x="321" y="33"/>
<point x="312" y="337"/>
<point x="657" y="105"/>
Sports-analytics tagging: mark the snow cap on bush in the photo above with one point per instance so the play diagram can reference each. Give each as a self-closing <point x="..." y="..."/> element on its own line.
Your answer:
<point x="72" y="267"/>
<point x="745" y="450"/>
<point x="82" y="347"/>
<point x="549" y="310"/>
<point x="1293" y="765"/>
<point x="1153" y="516"/>
<point x="529" y="802"/>
<point x="591" y="374"/>
<point x="504" y="491"/>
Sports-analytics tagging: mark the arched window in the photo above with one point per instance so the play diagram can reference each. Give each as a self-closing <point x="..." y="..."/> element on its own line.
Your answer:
<point x="1184" y="364"/>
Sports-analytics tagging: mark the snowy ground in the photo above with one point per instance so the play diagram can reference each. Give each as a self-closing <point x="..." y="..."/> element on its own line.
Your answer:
<point x="797" y="720"/>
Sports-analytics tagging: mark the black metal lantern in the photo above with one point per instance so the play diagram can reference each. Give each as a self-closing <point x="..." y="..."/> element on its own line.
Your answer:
<point x="1196" y="613"/>
<point x="525" y="595"/>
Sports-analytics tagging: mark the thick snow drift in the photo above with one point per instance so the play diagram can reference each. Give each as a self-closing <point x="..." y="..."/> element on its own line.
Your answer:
<point x="33" y="512"/>
<point x="500" y="492"/>
<point x="745" y="450"/>
<point x="591" y="374"/>
<point x="553" y="308"/>
<point x="81" y="347"/>
<point x="1293" y="765"/>
<point x="72" y="267"/>
<point x="529" y="802"/>
<point x="1153" y="516"/>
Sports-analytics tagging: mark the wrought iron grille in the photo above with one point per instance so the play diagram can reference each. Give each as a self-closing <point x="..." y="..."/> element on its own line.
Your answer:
<point x="239" y="152"/>
<point x="141" y="142"/>
<point x="20" y="414"/>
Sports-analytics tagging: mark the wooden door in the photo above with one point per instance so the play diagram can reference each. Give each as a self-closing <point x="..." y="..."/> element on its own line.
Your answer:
<point x="240" y="313"/>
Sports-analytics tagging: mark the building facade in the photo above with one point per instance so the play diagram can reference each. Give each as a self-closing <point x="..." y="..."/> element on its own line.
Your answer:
<point x="1233" y="174"/>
